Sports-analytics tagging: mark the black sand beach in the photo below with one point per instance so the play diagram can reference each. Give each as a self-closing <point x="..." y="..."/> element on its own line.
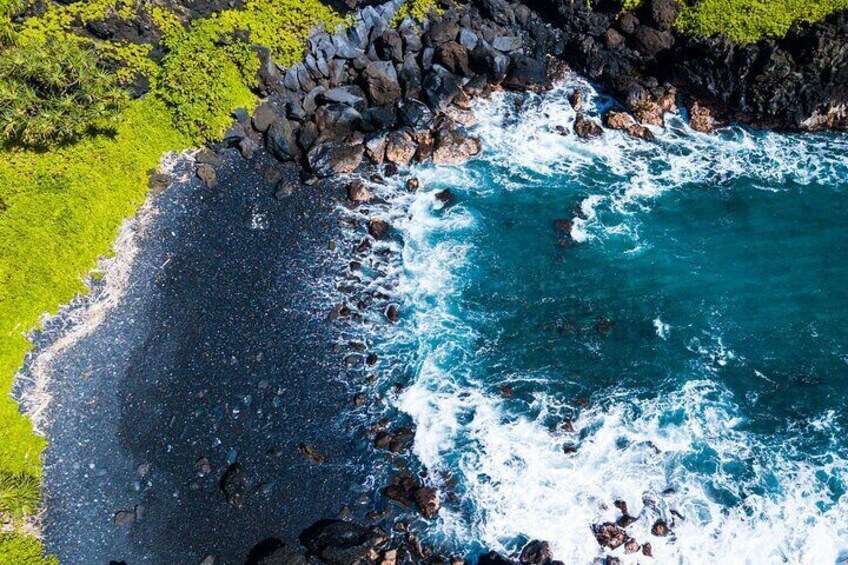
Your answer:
<point x="219" y="349"/>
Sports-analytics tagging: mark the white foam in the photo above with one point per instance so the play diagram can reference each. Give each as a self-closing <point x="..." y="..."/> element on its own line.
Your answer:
<point x="515" y="480"/>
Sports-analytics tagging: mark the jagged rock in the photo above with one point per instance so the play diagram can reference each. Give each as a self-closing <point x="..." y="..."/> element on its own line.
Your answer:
<point x="452" y="147"/>
<point x="263" y="117"/>
<point x="335" y="158"/>
<point x="337" y="121"/>
<point x="468" y="39"/>
<point x="441" y="87"/>
<point x="415" y="114"/>
<point x="651" y="41"/>
<point x="536" y="552"/>
<point x="375" y="148"/>
<point x="358" y="193"/>
<point x="307" y="136"/>
<point x="427" y="499"/>
<point x="701" y="119"/>
<point x="280" y="140"/>
<point x="446" y="197"/>
<point x="647" y="551"/>
<point x="379" y="118"/>
<point x="660" y="528"/>
<point x="440" y="32"/>
<point x="507" y="44"/>
<point x="337" y="542"/>
<point x="381" y="81"/>
<point x="609" y="535"/>
<point x="489" y="62"/>
<point x="453" y="57"/>
<point x="665" y="12"/>
<point x="586" y="128"/>
<point x="348" y="95"/>
<point x="247" y="147"/>
<point x="392" y="313"/>
<point x="400" y="148"/>
<point x="234" y="485"/>
<point x="632" y="546"/>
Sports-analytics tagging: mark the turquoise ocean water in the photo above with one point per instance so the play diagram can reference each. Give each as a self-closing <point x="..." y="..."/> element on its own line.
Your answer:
<point x="681" y="305"/>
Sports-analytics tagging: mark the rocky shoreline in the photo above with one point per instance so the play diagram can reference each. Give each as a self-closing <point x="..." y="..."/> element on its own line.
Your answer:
<point x="379" y="97"/>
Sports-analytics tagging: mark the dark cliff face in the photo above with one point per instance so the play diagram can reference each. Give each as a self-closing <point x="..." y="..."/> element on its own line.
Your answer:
<point x="797" y="82"/>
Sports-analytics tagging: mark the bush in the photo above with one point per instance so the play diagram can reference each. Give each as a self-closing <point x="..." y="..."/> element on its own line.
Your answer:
<point x="54" y="92"/>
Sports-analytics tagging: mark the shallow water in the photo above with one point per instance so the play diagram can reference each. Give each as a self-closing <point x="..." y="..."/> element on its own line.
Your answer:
<point x="690" y="322"/>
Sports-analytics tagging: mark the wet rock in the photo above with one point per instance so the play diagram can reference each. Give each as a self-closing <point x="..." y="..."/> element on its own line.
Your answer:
<point x="441" y="87"/>
<point x="375" y="148"/>
<point x="701" y="119"/>
<point x="392" y="313"/>
<point x="397" y="493"/>
<point x="234" y="485"/>
<point x="647" y="551"/>
<point x="427" y="500"/>
<point x="396" y="441"/>
<point x="586" y="128"/>
<point x="206" y="174"/>
<point x="338" y="542"/>
<point x="626" y="122"/>
<point x="400" y="148"/>
<point x="335" y="158"/>
<point x="536" y="552"/>
<point x="660" y="528"/>
<point x="360" y="399"/>
<point x="609" y="535"/>
<point x="576" y="101"/>
<point x="378" y="228"/>
<point x="389" y="557"/>
<point x="415" y="114"/>
<point x="358" y="192"/>
<point x="453" y="147"/>
<point x="312" y="454"/>
<point x="632" y="546"/>
<point x="446" y="197"/>
<point x="626" y="520"/>
<point x="413" y="184"/>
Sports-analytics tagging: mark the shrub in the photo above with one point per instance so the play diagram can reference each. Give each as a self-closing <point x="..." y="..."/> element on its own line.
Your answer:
<point x="54" y="92"/>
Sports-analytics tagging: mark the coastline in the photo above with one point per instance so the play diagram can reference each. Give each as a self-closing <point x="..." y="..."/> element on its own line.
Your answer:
<point x="288" y="532"/>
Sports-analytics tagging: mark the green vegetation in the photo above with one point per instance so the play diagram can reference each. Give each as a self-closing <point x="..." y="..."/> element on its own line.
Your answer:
<point x="417" y="9"/>
<point x="60" y="209"/>
<point x="55" y="93"/>
<point x="746" y="21"/>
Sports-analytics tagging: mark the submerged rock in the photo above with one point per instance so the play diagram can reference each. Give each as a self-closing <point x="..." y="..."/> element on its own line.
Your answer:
<point x="234" y="485"/>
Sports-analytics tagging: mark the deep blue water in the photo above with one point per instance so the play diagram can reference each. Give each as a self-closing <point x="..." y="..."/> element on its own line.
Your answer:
<point x="689" y="321"/>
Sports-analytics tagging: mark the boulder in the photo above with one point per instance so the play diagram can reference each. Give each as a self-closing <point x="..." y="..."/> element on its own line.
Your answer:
<point x="586" y="128"/>
<point x="206" y="174"/>
<point x="337" y="542"/>
<point x="378" y="228"/>
<point x="280" y="140"/>
<point x="453" y="147"/>
<point x="701" y="119"/>
<point x="400" y="148"/>
<point x="527" y="74"/>
<point x="328" y="158"/>
<point x="665" y="12"/>
<point x="348" y="95"/>
<point x="337" y="121"/>
<point x="375" y="148"/>
<point x="487" y="61"/>
<point x="441" y="87"/>
<point x="263" y="117"/>
<point x="660" y="528"/>
<point x="415" y="114"/>
<point x="440" y="32"/>
<point x="536" y="553"/>
<point x="651" y="41"/>
<point x="381" y="83"/>
<point x="357" y="192"/>
<point x="410" y="77"/>
<point x="379" y="118"/>
<point x="453" y="57"/>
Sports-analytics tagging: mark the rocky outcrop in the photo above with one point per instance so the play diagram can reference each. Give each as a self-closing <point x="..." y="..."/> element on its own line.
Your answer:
<point x="337" y="542"/>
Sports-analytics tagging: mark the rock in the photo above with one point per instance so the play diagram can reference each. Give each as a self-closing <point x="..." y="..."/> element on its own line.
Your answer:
<point x="651" y="41"/>
<point x="660" y="528"/>
<point x="400" y="148"/>
<point x="348" y="95"/>
<point x="337" y="121"/>
<point x="441" y="87"/>
<point x="413" y="184"/>
<point x="609" y="535"/>
<point x="272" y="551"/>
<point x="526" y="74"/>
<point x="124" y="517"/>
<point x="247" y="147"/>
<point x="446" y="197"/>
<point x="389" y="557"/>
<point x="468" y="39"/>
<point x="203" y="467"/>
<point x="628" y="22"/>
<point x="207" y="157"/>
<point x="665" y="12"/>
<point x="415" y="114"/>
<point x="626" y="520"/>
<point x="647" y="551"/>
<point x="378" y="228"/>
<point x="453" y="57"/>
<point x="440" y="32"/>
<point x="158" y="182"/>
<point x="631" y="546"/>
<point x="586" y="128"/>
<point x="208" y="560"/>
<point x="381" y="83"/>
<point x="234" y="485"/>
<point x="452" y="147"/>
<point x="626" y="122"/>
<point x="360" y="399"/>
<point x="307" y="136"/>
<point x="335" y="158"/>
<point x="375" y="148"/>
<point x="613" y="39"/>
<point x="427" y="500"/>
<point x="536" y="553"/>
<point x="337" y="542"/>
<point x="410" y="77"/>
<point x="389" y="46"/>
<point x="576" y="101"/>
<point x="487" y="61"/>
<point x="312" y="454"/>
<point x="206" y="174"/>
<point x="379" y="118"/>
<point x="280" y="140"/>
<point x="701" y="119"/>
<point x="507" y="44"/>
<point x="234" y="134"/>
<point x="392" y="313"/>
<point x="397" y="494"/>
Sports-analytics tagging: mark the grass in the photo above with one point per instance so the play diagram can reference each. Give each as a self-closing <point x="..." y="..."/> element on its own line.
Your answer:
<point x="61" y="209"/>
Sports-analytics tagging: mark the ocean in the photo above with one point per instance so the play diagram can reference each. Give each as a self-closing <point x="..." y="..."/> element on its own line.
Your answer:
<point x="660" y="323"/>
